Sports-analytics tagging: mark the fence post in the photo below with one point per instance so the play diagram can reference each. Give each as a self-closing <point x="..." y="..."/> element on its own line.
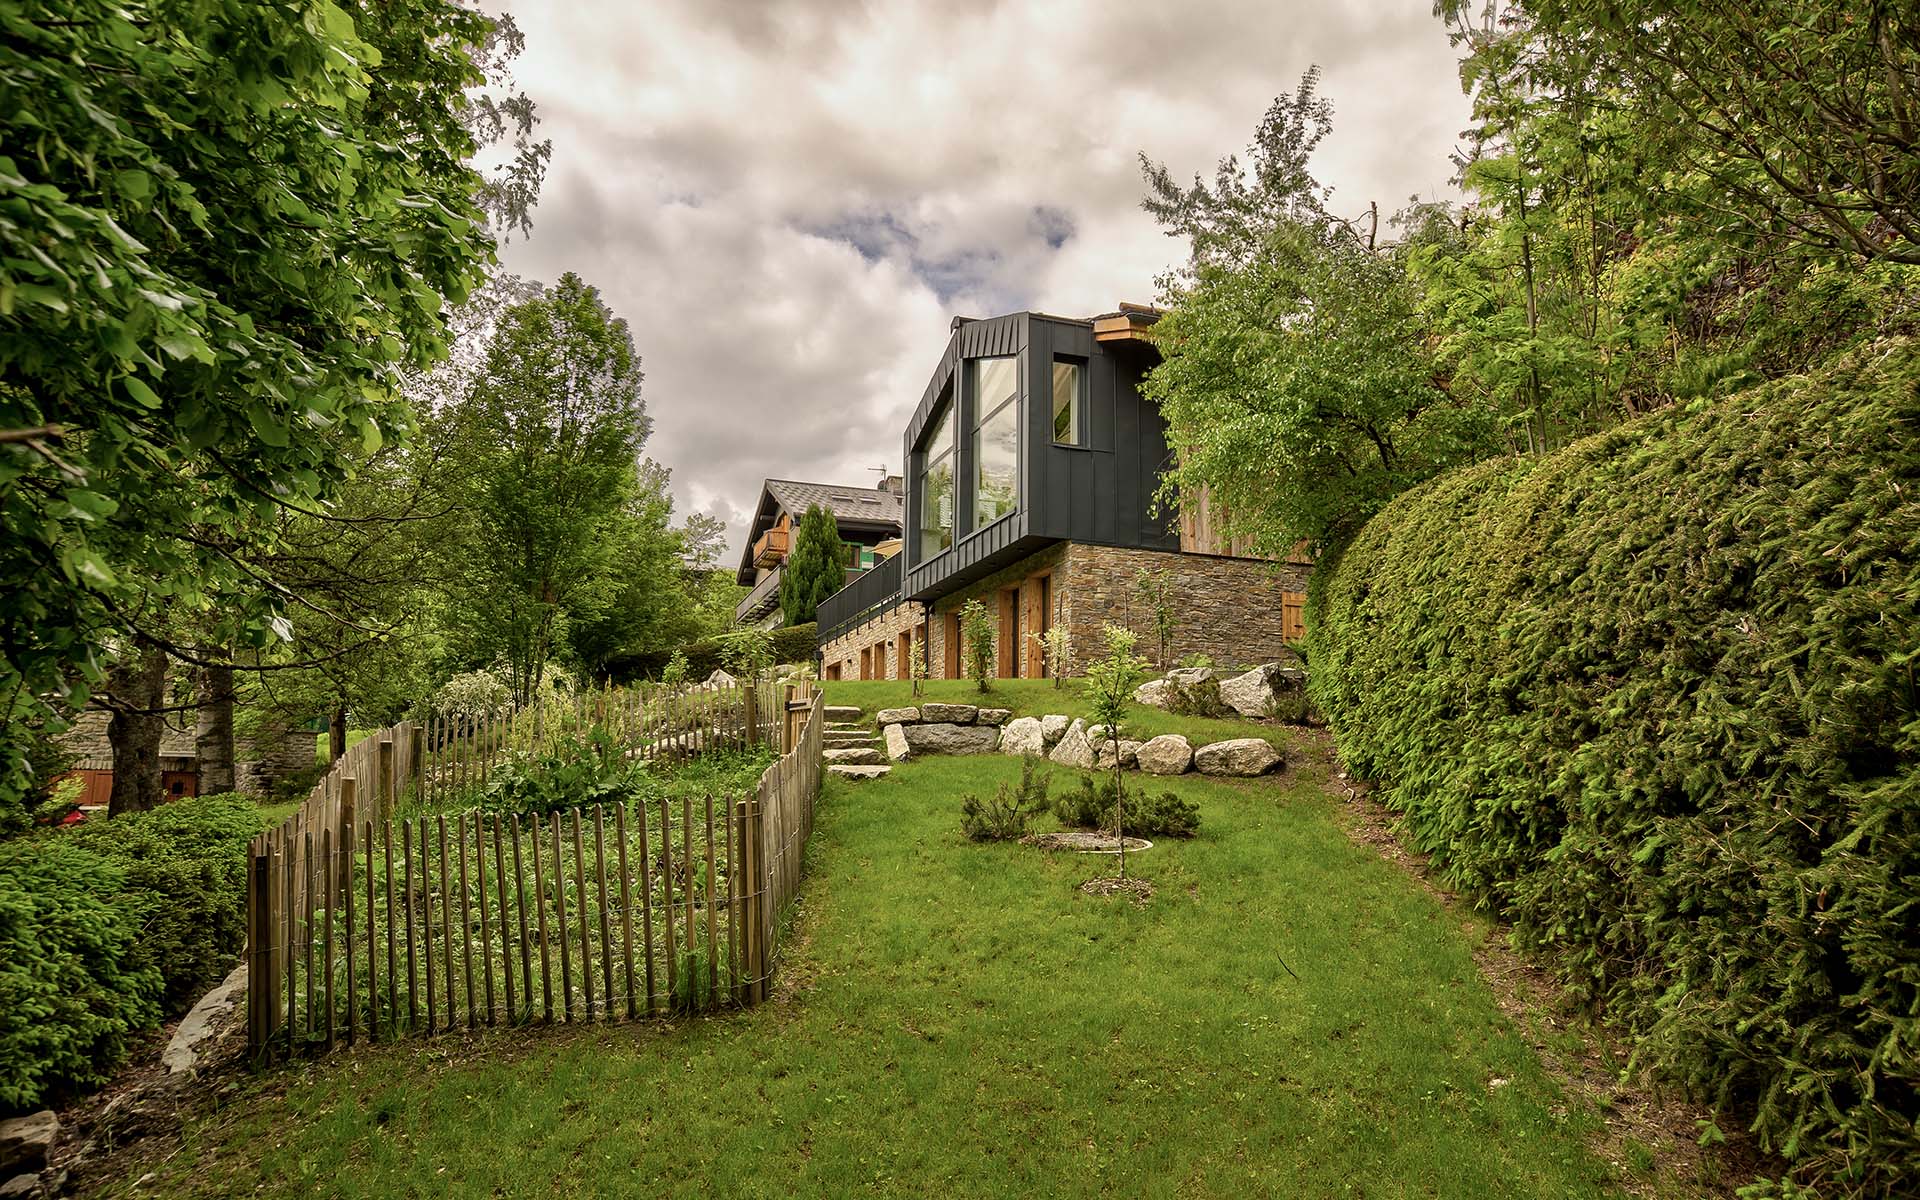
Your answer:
<point x="260" y="993"/>
<point x="787" y="727"/>
<point x="349" y="794"/>
<point x="416" y="758"/>
<point x="384" y="787"/>
<point x="748" y="695"/>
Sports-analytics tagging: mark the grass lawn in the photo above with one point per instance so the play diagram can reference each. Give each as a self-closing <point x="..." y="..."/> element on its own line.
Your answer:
<point x="1038" y="697"/>
<point x="957" y="1019"/>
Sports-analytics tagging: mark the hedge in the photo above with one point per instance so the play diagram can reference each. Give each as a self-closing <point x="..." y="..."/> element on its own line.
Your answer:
<point x="109" y="928"/>
<point x="1654" y="700"/>
<point x="795" y="643"/>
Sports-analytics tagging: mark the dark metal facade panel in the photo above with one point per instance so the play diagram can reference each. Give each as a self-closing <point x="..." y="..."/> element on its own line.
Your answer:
<point x="1101" y="491"/>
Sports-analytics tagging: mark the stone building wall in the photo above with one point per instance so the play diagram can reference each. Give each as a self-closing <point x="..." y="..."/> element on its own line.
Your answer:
<point x="1234" y="610"/>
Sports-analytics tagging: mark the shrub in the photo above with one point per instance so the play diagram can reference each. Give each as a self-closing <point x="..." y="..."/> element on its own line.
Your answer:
<point x="1198" y="699"/>
<point x="73" y="985"/>
<point x="1653" y="699"/>
<point x="184" y="886"/>
<point x="977" y="636"/>
<point x="676" y="670"/>
<point x="1006" y="815"/>
<point x="577" y="770"/>
<point x="1091" y="806"/>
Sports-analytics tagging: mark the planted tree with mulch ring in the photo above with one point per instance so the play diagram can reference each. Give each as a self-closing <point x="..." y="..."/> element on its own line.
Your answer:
<point x="1111" y="680"/>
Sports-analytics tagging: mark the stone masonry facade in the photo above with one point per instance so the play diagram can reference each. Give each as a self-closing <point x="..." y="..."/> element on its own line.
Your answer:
<point x="1236" y="611"/>
<point x="259" y="764"/>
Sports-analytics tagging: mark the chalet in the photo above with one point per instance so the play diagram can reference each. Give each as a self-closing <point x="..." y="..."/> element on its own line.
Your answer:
<point x="869" y="524"/>
<point x="1031" y="466"/>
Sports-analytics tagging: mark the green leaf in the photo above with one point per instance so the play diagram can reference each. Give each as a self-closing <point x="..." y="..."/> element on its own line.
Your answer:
<point x="142" y="395"/>
<point x="91" y="505"/>
<point x="266" y="424"/>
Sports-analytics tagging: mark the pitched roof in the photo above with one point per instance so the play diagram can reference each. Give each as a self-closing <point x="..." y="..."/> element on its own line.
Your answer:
<point x="872" y="505"/>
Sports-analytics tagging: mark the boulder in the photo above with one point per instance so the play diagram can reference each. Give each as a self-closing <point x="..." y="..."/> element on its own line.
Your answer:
<point x="1074" y="749"/>
<point x="864" y="756"/>
<point x="1243" y="757"/>
<point x="1103" y="754"/>
<point x="844" y="771"/>
<point x="1153" y="692"/>
<point x="1023" y="735"/>
<point x="896" y="739"/>
<point x="25" y="1141"/>
<point x="899" y="716"/>
<point x="1251" y="694"/>
<point x="22" y="1187"/>
<point x="720" y="678"/>
<point x="948" y="714"/>
<point x="947" y="738"/>
<point x="995" y="716"/>
<point x="1053" y="727"/>
<point x="844" y="712"/>
<point x="202" y="1022"/>
<point x="1188" y="676"/>
<point x="1168" y="754"/>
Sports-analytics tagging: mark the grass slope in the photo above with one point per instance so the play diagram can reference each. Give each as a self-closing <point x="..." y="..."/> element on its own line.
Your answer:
<point x="1038" y="697"/>
<point x="957" y="1019"/>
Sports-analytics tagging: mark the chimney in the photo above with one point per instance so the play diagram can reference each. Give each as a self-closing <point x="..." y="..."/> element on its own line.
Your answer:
<point x="893" y="484"/>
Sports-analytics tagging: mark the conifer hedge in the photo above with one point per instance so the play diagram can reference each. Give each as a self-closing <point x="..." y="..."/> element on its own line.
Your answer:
<point x="1654" y="699"/>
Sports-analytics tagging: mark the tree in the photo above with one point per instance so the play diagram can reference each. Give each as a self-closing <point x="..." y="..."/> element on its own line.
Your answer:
<point x="977" y="635"/>
<point x="1804" y="118"/>
<point x="1155" y="590"/>
<point x="1111" y="681"/>
<point x="815" y="568"/>
<point x="226" y="228"/>
<point x="1297" y="378"/>
<point x="551" y="433"/>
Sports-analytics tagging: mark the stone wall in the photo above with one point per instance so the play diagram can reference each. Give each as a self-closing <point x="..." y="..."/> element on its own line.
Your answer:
<point x="1230" y="609"/>
<point x="880" y="637"/>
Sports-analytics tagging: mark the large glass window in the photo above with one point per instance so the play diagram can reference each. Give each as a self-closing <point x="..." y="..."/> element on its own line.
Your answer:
<point x="996" y="438"/>
<point x="1069" y="403"/>
<point x="934" y="487"/>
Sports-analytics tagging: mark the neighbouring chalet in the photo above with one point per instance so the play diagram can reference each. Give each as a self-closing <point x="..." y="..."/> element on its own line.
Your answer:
<point x="1031" y="466"/>
<point x="869" y="524"/>
<point x="259" y="762"/>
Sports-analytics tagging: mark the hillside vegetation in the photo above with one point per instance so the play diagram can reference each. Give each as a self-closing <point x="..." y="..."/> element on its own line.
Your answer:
<point x="1653" y="699"/>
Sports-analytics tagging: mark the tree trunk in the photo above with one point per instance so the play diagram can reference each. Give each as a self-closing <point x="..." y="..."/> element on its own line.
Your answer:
<point x="213" y="739"/>
<point x="336" y="733"/>
<point x="139" y="691"/>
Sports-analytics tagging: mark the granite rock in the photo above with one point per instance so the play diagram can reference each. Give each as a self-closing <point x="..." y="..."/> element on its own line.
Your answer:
<point x="949" y="714"/>
<point x="1168" y="754"/>
<point x="1242" y="757"/>
<point x="1023" y="735"/>
<point x="947" y="738"/>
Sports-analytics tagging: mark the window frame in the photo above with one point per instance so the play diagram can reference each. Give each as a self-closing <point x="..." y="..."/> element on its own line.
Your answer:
<point x="947" y="419"/>
<point x="1010" y="406"/>
<point x="1082" y="439"/>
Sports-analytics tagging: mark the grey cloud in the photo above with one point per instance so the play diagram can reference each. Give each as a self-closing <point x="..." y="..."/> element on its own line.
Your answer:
<point x="788" y="200"/>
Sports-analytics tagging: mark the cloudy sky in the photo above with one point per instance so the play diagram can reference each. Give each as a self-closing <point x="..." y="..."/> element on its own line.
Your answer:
<point x="789" y="199"/>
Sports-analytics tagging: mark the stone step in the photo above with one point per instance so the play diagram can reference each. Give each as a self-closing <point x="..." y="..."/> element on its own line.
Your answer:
<point x="847" y="772"/>
<point x="847" y="727"/>
<point x="844" y="712"/>
<point x="854" y="756"/>
<point x="848" y="739"/>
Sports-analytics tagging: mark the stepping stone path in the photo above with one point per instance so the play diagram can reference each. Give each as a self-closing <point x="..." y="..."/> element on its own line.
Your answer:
<point x="851" y="749"/>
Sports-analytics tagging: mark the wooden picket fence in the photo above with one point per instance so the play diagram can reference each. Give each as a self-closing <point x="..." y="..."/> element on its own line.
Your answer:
<point x="359" y="929"/>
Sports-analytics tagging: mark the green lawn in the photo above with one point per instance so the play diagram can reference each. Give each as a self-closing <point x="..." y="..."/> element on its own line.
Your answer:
<point x="1037" y="697"/>
<point x="959" y="1019"/>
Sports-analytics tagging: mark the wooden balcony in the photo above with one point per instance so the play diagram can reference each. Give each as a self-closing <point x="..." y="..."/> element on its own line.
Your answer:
<point x="771" y="549"/>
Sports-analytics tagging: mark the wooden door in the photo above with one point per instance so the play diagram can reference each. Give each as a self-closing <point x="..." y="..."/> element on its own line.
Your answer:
<point x="1008" y="666"/>
<point x="953" y="646"/>
<point x="903" y="667"/>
